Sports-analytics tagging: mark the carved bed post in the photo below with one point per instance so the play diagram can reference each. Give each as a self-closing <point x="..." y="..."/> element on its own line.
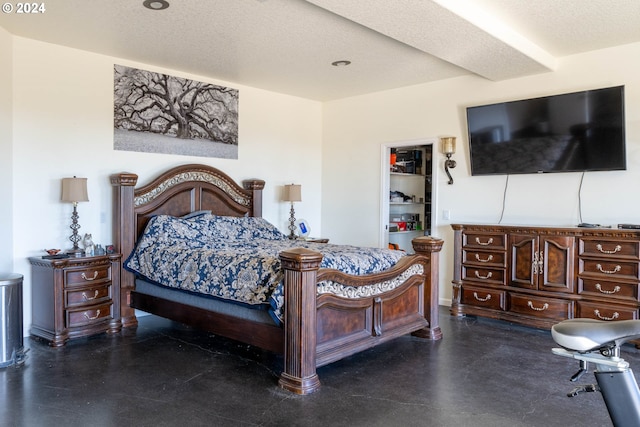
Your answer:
<point x="124" y="234"/>
<point x="300" y="328"/>
<point x="255" y="186"/>
<point x="430" y="247"/>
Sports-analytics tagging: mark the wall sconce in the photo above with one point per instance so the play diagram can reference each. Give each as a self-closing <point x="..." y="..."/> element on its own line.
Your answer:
<point x="74" y="190"/>
<point x="292" y="193"/>
<point x="449" y="149"/>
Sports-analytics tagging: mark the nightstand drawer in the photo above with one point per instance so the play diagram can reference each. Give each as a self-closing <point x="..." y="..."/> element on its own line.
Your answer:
<point x="89" y="315"/>
<point x="87" y="275"/>
<point x="88" y="296"/>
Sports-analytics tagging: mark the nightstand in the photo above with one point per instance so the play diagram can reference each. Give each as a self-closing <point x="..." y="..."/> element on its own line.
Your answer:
<point x="314" y="239"/>
<point x="75" y="297"/>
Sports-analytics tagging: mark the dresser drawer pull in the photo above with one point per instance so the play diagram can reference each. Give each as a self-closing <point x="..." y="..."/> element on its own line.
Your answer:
<point x="485" y="299"/>
<point x="488" y="259"/>
<point x="616" y="289"/>
<point x="95" y="276"/>
<point x="543" y="308"/>
<point x="94" y="317"/>
<point x="488" y="276"/>
<point x="615" y="270"/>
<point x="86" y="298"/>
<point x="487" y="243"/>
<point x="618" y="248"/>
<point x="614" y="317"/>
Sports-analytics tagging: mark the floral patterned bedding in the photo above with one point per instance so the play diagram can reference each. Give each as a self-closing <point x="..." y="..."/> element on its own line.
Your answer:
<point x="237" y="259"/>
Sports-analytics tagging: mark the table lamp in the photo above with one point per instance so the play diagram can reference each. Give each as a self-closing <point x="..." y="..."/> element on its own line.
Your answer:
<point x="292" y="193"/>
<point x="74" y="190"/>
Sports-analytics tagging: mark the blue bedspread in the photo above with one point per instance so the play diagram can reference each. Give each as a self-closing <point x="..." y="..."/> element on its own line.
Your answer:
<point x="236" y="258"/>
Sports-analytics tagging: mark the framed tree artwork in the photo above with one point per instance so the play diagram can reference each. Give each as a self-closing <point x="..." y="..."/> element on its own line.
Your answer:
<point x="158" y="113"/>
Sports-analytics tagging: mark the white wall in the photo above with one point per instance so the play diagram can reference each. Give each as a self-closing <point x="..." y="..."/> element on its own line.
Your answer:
<point x="354" y="128"/>
<point x="6" y="154"/>
<point x="63" y="126"/>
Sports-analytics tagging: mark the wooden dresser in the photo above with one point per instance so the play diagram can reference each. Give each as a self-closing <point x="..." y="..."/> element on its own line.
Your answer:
<point x="537" y="276"/>
<point x="75" y="297"/>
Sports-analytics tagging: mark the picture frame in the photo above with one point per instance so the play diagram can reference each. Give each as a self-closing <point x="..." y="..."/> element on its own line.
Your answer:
<point x="303" y="228"/>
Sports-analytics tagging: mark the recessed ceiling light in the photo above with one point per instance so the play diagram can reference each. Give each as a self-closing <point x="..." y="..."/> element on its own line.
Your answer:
<point x="155" y="4"/>
<point x="341" y="63"/>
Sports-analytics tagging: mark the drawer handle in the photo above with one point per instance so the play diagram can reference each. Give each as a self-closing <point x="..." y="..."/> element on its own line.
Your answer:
<point x="95" y="276"/>
<point x="485" y="299"/>
<point x="543" y="308"/>
<point x="618" y="248"/>
<point x="616" y="289"/>
<point x="614" y="317"/>
<point x="94" y="317"/>
<point x="487" y="243"/>
<point x="488" y="276"/>
<point x="488" y="259"/>
<point x="86" y="298"/>
<point x="615" y="270"/>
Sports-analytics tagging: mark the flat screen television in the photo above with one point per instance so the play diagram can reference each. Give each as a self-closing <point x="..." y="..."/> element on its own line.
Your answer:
<point x="572" y="132"/>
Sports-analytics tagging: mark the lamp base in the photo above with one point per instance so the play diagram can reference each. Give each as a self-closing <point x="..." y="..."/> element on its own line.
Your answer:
<point x="292" y="223"/>
<point x="75" y="252"/>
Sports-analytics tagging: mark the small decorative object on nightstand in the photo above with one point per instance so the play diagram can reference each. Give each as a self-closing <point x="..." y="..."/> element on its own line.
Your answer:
<point x="292" y="193"/>
<point x="75" y="297"/>
<point x="74" y="190"/>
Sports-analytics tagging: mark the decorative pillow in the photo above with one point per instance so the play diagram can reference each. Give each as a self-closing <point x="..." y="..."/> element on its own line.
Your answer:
<point x="239" y="228"/>
<point x="195" y="214"/>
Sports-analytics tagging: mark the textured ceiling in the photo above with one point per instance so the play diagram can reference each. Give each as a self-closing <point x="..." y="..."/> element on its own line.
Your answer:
<point x="288" y="46"/>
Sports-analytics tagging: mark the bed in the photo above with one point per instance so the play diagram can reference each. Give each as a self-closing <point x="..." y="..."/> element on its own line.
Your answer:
<point x="318" y="327"/>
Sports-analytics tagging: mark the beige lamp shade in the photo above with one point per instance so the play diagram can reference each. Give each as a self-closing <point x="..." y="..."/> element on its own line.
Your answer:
<point x="292" y="193"/>
<point x="74" y="190"/>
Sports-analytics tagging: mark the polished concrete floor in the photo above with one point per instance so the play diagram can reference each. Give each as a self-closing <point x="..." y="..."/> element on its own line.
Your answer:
<point x="482" y="373"/>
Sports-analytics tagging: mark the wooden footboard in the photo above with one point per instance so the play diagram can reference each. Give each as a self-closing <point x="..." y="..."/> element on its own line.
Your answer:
<point x="322" y="329"/>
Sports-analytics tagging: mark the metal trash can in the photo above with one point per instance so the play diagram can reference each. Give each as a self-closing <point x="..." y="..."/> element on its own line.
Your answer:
<point x="11" y="342"/>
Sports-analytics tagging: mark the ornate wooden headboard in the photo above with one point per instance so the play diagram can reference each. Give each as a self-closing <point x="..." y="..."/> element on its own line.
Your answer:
<point x="176" y="192"/>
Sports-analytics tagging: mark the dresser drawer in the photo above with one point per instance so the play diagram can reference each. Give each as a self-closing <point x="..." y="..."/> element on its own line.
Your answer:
<point x="608" y="289"/>
<point x="87" y="275"/>
<point x="601" y="311"/>
<point x="89" y="315"/>
<point x="600" y="248"/>
<point x="609" y="269"/>
<point x="497" y="241"/>
<point x="489" y="259"/>
<point x="88" y="296"/>
<point x="547" y="308"/>
<point x="494" y="276"/>
<point x="479" y="297"/>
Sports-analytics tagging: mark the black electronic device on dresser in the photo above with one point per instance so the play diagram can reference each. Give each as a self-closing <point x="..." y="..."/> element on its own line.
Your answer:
<point x="75" y="297"/>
